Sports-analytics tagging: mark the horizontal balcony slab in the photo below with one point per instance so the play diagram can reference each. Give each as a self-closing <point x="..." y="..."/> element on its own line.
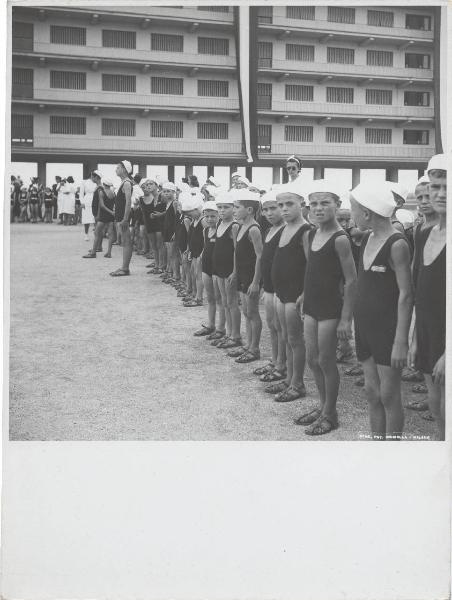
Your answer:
<point x="351" y="110"/>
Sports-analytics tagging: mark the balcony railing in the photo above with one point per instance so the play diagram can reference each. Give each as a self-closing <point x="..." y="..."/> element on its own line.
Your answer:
<point x="346" y="151"/>
<point x="67" y="144"/>
<point x="146" y="56"/>
<point x="164" y="101"/>
<point x="292" y="106"/>
<point x="176" y="13"/>
<point x="297" y="66"/>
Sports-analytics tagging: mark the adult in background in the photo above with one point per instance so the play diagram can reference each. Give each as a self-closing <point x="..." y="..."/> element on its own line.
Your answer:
<point x="57" y="199"/>
<point x="123" y="205"/>
<point x="293" y="167"/>
<point x="153" y="209"/>
<point x="33" y="200"/>
<point x="86" y="193"/>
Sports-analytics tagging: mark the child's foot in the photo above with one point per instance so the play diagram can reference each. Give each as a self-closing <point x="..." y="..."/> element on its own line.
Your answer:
<point x="107" y="255"/>
<point x="204" y="331"/>
<point x="248" y="356"/>
<point x="323" y="425"/>
<point x="230" y="343"/>
<point x="419" y="388"/>
<point x="264" y="369"/>
<point x="235" y="353"/>
<point x="276" y="388"/>
<point x="216" y="335"/>
<point x="291" y="393"/>
<point x="309" y="417"/>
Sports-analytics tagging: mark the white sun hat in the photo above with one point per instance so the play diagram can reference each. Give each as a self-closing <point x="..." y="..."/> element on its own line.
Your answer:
<point x="269" y="196"/>
<point x="169" y="185"/>
<point x="244" y="194"/>
<point x="224" y="197"/>
<point x="127" y="166"/>
<point x="437" y="162"/>
<point x="376" y="197"/>
<point x="398" y="189"/>
<point x="323" y="186"/>
<point x="107" y="182"/>
<point x="210" y="205"/>
<point x="293" y="187"/>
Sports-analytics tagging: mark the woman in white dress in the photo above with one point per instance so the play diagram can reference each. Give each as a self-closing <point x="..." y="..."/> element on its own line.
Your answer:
<point x="68" y="202"/>
<point x="87" y="189"/>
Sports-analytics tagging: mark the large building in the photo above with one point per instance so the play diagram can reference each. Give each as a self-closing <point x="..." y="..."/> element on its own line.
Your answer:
<point x="343" y="87"/>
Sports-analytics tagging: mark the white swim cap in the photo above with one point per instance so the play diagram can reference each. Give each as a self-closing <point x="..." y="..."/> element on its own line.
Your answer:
<point x="376" y="197"/>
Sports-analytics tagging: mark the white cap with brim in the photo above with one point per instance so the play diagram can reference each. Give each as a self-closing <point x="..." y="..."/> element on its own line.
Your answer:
<point x="191" y="201"/>
<point x="244" y="194"/>
<point x="224" y="197"/>
<point x="244" y="180"/>
<point x="405" y="216"/>
<point x="235" y="174"/>
<point x="438" y="162"/>
<point x="169" y="185"/>
<point x="423" y="179"/>
<point x="211" y="190"/>
<point x="97" y="173"/>
<point x="107" y="182"/>
<point x="398" y="189"/>
<point x="324" y="186"/>
<point x="210" y="205"/>
<point x="127" y="166"/>
<point x="269" y="196"/>
<point x="293" y="187"/>
<point x="377" y="198"/>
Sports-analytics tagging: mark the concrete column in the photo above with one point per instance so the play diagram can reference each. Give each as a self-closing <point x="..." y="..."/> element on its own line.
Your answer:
<point x="232" y="169"/>
<point x="420" y="173"/>
<point x="142" y="168"/>
<point x="392" y="174"/>
<point x="42" y="171"/>
<point x="88" y="166"/>
<point x="249" y="172"/>
<point x="319" y="172"/>
<point x="188" y="170"/>
<point x="356" y="176"/>
<point x="285" y="176"/>
<point x="171" y="173"/>
<point x="210" y="171"/>
<point x="276" y="175"/>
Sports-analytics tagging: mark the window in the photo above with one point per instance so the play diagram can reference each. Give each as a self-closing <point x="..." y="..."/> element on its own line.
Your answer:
<point x="22" y="83"/>
<point x="224" y="9"/>
<point x="68" y="80"/>
<point x="264" y="138"/>
<point x="119" y="127"/>
<point x="22" y="129"/>
<point x="75" y="36"/>
<point x="213" y="131"/>
<point x="378" y="96"/>
<point x="380" y="58"/>
<point x="339" y="135"/>
<point x="213" y="46"/>
<point x="341" y="15"/>
<point x="421" y="22"/>
<point x="302" y="93"/>
<point x="299" y="52"/>
<point x="380" y="18"/>
<point x="378" y="136"/>
<point x="118" y="83"/>
<point x="306" y="13"/>
<point x="165" y="42"/>
<point x="298" y="133"/>
<point x="167" y="85"/>
<point x="417" y="98"/>
<point x="112" y="38"/>
<point x="417" y="61"/>
<point x="68" y="125"/>
<point x="416" y="136"/>
<point x="22" y="36"/>
<point x="345" y="56"/>
<point x="264" y="95"/>
<point x="338" y="94"/>
<point x="167" y="129"/>
<point x="216" y="89"/>
<point x="265" y="54"/>
<point x="265" y="14"/>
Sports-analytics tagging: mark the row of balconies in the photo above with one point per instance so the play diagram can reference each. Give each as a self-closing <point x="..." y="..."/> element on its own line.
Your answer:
<point x="347" y="151"/>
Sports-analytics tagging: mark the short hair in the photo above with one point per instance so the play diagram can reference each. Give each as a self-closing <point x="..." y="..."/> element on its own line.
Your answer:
<point x="437" y="173"/>
<point x="254" y="204"/>
<point x="293" y="158"/>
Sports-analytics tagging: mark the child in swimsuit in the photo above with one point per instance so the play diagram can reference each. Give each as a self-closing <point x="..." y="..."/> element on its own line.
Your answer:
<point x="168" y="195"/>
<point x="383" y="307"/>
<point x="181" y="236"/>
<point x="193" y="208"/>
<point x="48" y="205"/>
<point x="247" y="269"/>
<point x="329" y="290"/>
<point x="428" y="347"/>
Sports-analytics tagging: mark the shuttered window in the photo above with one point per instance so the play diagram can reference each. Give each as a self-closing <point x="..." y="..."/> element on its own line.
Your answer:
<point x="417" y="98"/>
<point x="215" y="89"/>
<point x="420" y="22"/>
<point x="224" y="9"/>
<point x="165" y="42"/>
<point x="339" y="135"/>
<point x="112" y="38"/>
<point x="265" y="54"/>
<point x="380" y="58"/>
<point x="417" y="61"/>
<point x="68" y="125"/>
<point x="68" y="80"/>
<point x="306" y="13"/>
<point x="118" y="83"/>
<point x="378" y="96"/>
<point x="265" y="14"/>
<point x="167" y="85"/>
<point x="22" y="129"/>
<point x="264" y="138"/>
<point x="341" y="14"/>
<point x="213" y="46"/>
<point x="264" y="95"/>
<point x="22" y="83"/>
<point x="338" y="94"/>
<point x="416" y="136"/>
<point x="213" y="131"/>
<point x="302" y="93"/>
<point x="22" y="34"/>
<point x="118" y="127"/>
<point x="298" y="133"/>
<point x="167" y="129"/>
<point x="380" y="18"/>
<point x="378" y="136"/>
<point x="344" y="56"/>
<point x="299" y="52"/>
<point x="75" y="36"/>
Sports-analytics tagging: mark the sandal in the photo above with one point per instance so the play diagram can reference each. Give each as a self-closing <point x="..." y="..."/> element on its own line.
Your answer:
<point x="107" y="255"/>
<point x="192" y="303"/>
<point x="275" y="375"/>
<point x="230" y="343"/>
<point x="216" y="343"/>
<point x="290" y="394"/>
<point x="216" y="335"/>
<point x="419" y="388"/>
<point x="354" y="371"/>
<point x="90" y="255"/>
<point x="248" y="357"/>
<point x="412" y="376"/>
<point x="182" y="294"/>
<point x="204" y="331"/>
<point x="418" y="405"/>
<point x="237" y="352"/>
<point x="265" y="369"/>
<point x="322" y="426"/>
<point x="276" y="388"/>
<point x="309" y="417"/>
<point x="120" y="273"/>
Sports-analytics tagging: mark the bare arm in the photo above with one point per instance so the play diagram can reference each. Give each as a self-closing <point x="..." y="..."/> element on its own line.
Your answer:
<point x="256" y="240"/>
<point x="400" y="262"/>
<point x="234" y="230"/>
<point x="102" y="205"/>
<point x="344" y="252"/>
<point x="128" y="194"/>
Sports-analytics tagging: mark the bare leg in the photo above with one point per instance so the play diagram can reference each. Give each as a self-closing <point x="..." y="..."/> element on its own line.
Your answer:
<point x="327" y="338"/>
<point x="221" y="283"/>
<point x="391" y="398"/>
<point x="219" y="305"/>
<point x="211" y="301"/>
<point x="269" y="305"/>
<point x="295" y="339"/>
<point x="127" y="249"/>
<point x="281" y="362"/>
<point x="233" y="304"/>
<point x="198" y="276"/>
<point x="255" y="322"/>
<point x="281" y="310"/>
<point x="436" y="404"/>
<point x="377" y="412"/>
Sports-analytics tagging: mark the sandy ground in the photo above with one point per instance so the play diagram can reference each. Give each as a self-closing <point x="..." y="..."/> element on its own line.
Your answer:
<point x="99" y="358"/>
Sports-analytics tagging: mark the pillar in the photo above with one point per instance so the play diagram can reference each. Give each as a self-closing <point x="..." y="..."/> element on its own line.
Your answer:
<point x="249" y="172"/>
<point x="88" y="166"/>
<point x="356" y="176"/>
<point x="285" y="175"/>
<point x="392" y="174"/>
<point x="188" y="170"/>
<point x="142" y="168"/>
<point x="171" y="173"/>
<point x="420" y="173"/>
<point x="42" y="172"/>
<point x="276" y="175"/>
<point x="210" y="171"/>
<point x="319" y="172"/>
